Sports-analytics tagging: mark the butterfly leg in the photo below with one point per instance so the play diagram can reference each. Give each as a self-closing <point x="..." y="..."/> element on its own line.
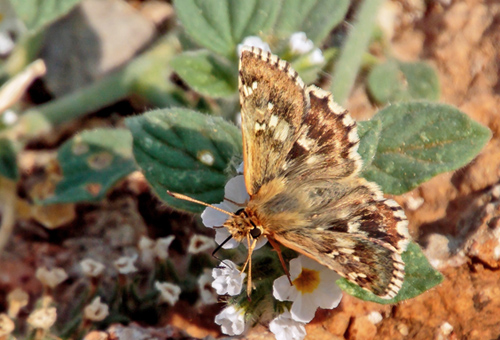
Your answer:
<point x="241" y="205"/>
<point x="251" y="247"/>
<point x="277" y="248"/>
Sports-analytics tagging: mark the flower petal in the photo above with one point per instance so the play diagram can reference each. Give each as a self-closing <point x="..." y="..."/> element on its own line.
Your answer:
<point x="285" y="328"/>
<point x="261" y="241"/>
<point x="231" y="321"/>
<point x="282" y="290"/>
<point x="299" y="44"/>
<point x="221" y="234"/>
<point x="227" y="279"/>
<point x="236" y="191"/>
<point x="303" y="309"/>
<point x="295" y="267"/>
<point x="328" y="295"/>
<point x="214" y="218"/>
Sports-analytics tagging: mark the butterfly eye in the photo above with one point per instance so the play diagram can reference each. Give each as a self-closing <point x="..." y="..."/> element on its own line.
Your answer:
<point x="255" y="232"/>
<point x="238" y="212"/>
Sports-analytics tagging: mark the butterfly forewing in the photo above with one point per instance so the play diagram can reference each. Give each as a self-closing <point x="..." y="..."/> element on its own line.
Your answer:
<point x="273" y="103"/>
<point x="301" y="170"/>
<point x="328" y="141"/>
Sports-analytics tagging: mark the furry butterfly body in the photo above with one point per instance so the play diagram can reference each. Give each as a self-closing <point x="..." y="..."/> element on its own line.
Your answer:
<point x="301" y="169"/>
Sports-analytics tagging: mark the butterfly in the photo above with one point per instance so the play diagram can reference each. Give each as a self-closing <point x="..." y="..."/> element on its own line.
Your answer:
<point x="301" y="170"/>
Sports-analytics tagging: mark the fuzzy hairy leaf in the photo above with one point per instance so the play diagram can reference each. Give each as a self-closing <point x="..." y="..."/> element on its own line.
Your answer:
<point x="220" y="25"/>
<point x="395" y="81"/>
<point x="206" y="73"/>
<point x="185" y="152"/>
<point x="419" y="277"/>
<point x="91" y="163"/>
<point x="314" y="17"/>
<point x="369" y="134"/>
<point x="37" y="14"/>
<point x="420" y="140"/>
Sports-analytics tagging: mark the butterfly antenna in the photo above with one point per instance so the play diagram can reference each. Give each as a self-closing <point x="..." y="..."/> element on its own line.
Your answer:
<point x="219" y="248"/>
<point x="189" y="199"/>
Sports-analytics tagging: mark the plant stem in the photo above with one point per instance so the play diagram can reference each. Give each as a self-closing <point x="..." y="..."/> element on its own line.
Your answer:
<point x="347" y="66"/>
<point x="8" y="197"/>
<point x="152" y="65"/>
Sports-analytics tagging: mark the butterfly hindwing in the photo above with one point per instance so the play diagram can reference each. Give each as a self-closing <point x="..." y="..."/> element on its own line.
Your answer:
<point x="347" y="225"/>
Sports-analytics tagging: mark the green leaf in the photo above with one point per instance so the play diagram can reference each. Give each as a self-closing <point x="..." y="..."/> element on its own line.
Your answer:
<point x="8" y="160"/>
<point x="369" y="134"/>
<point x="420" y="140"/>
<point x="206" y="73"/>
<point x="395" y="81"/>
<point x="92" y="162"/>
<point x="419" y="277"/>
<point x="185" y="152"/>
<point x="220" y="25"/>
<point x="314" y="17"/>
<point x="254" y="17"/>
<point x="37" y="14"/>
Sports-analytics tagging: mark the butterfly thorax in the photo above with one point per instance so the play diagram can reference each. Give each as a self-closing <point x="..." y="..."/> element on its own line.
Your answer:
<point x="245" y="223"/>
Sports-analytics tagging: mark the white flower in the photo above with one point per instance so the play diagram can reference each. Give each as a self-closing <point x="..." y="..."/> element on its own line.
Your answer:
<point x="162" y="245"/>
<point x="7" y="326"/>
<point x="147" y="250"/>
<point x="145" y="243"/>
<point x="255" y="42"/>
<point x="316" y="57"/>
<point x="200" y="243"/>
<point x="207" y="293"/>
<point x="6" y="44"/>
<point x="125" y="264"/>
<point x="375" y="317"/>
<point x="240" y="169"/>
<point x="235" y="191"/>
<point x="169" y="292"/>
<point x="9" y="117"/>
<point x="284" y="327"/>
<point x="92" y="268"/>
<point x="16" y="299"/>
<point x="96" y="311"/>
<point x="10" y="26"/>
<point x="313" y="286"/>
<point x="227" y="279"/>
<point x="51" y="278"/>
<point x="231" y="320"/>
<point x="237" y="120"/>
<point x="43" y="318"/>
<point x="299" y="44"/>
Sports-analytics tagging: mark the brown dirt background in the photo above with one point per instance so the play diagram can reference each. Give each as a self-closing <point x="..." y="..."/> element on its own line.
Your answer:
<point x="454" y="217"/>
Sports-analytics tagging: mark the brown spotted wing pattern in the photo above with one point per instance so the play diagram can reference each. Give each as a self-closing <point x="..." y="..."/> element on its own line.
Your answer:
<point x="301" y="170"/>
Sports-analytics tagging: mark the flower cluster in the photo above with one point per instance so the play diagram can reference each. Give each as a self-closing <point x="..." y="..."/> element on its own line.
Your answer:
<point x="158" y="248"/>
<point x="96" y="311"/>
<point x="313" y="284"/>
<point x="169" y="292"/>
<point x="51" y="278"/>
<point x="300" y="45"/>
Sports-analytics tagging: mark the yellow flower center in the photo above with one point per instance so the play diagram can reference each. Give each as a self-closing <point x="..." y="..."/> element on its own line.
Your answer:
<point x="307" y="281"/>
